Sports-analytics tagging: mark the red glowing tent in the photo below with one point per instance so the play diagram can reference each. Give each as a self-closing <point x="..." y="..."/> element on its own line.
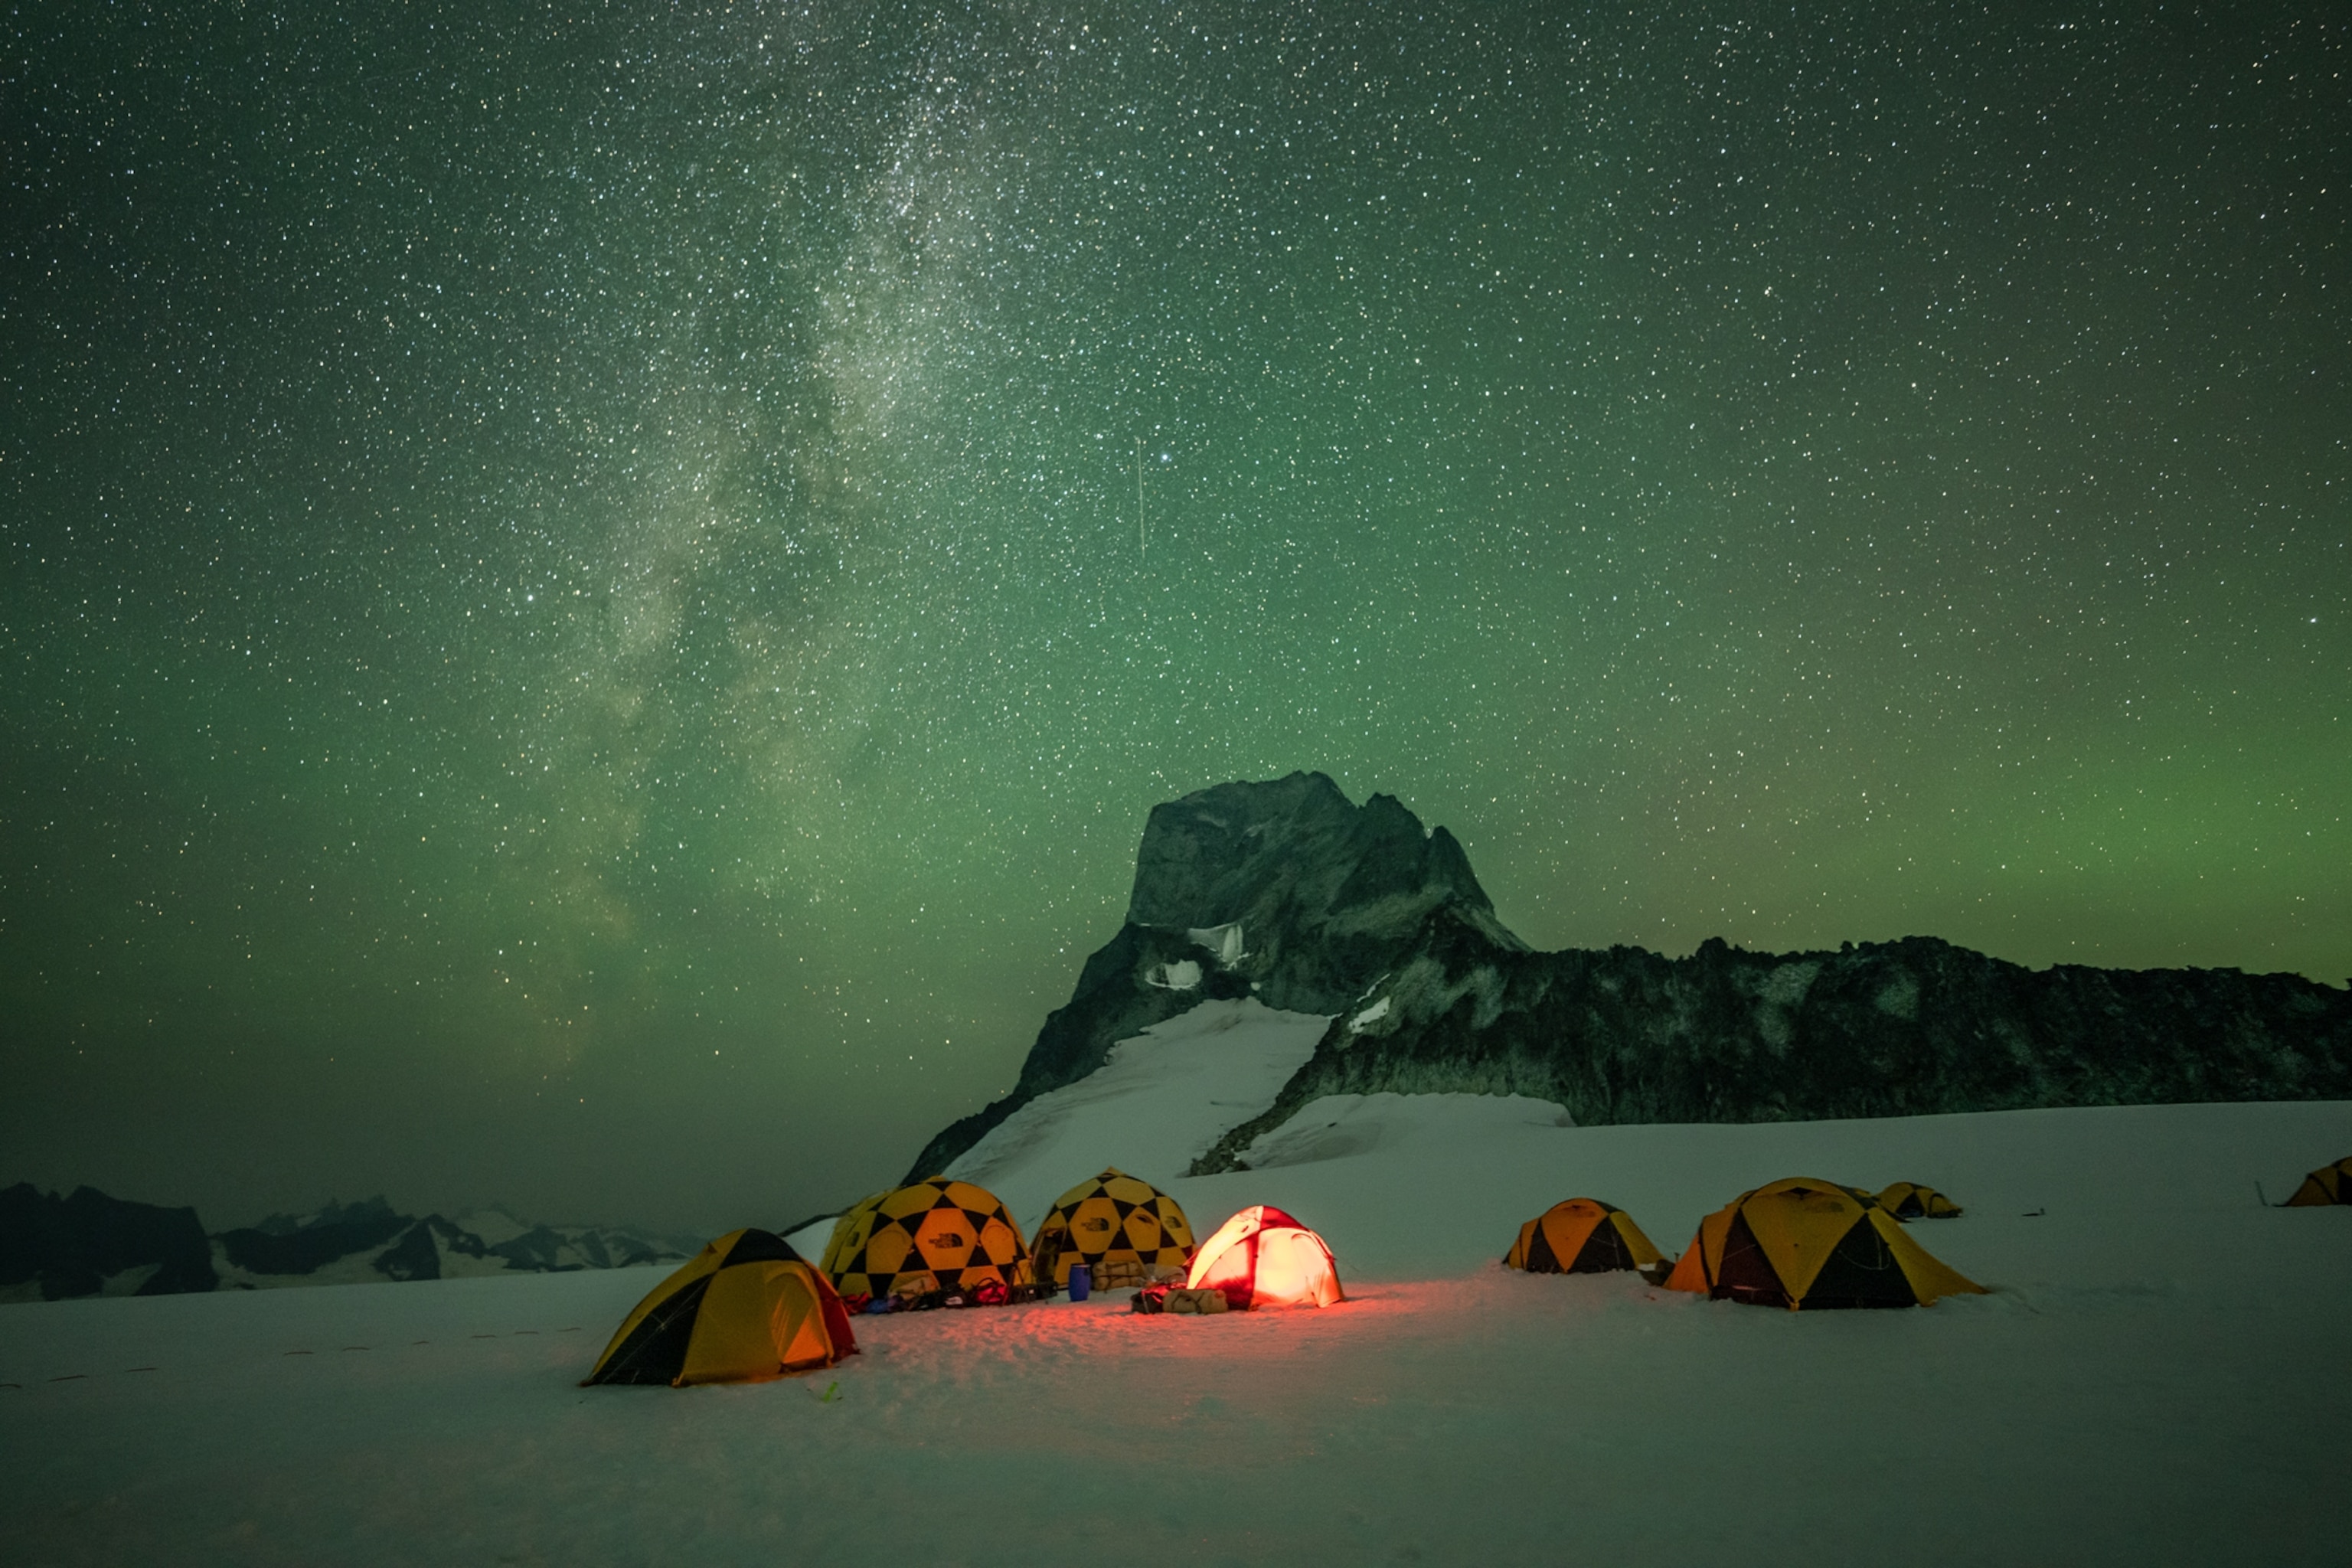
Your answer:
<point x="1263" y="1258"/>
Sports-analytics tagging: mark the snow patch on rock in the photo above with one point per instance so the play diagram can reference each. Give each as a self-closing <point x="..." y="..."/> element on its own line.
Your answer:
<point x="1224" y="940"/>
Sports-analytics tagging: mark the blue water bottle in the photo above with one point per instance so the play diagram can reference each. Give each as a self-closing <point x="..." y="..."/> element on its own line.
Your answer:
<point x="1082" y="1281"/>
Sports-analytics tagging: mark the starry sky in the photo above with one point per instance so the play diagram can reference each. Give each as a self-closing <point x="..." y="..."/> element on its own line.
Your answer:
<point x="593" y="595"/>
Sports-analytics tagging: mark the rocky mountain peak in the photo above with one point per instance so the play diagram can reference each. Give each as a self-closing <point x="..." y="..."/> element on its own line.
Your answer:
<point x="1284" y="890"/>
<point x="1297" y="889"/>
<point x="1294" y="852"/>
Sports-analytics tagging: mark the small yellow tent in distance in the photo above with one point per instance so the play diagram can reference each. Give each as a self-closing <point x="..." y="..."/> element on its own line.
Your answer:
<point x="935" y="1236"/>
<point x="1124" y="1229"/>
<point x="1801" y="1243"/>
<point x="745" y="1308"/>
<point x="1909" y="1200"/>
<point x="2327" y="1185"/>
<point x="1580" y="1236"/>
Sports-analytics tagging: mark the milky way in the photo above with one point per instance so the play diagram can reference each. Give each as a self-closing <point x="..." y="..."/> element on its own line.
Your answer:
<point x="596" y="596"/>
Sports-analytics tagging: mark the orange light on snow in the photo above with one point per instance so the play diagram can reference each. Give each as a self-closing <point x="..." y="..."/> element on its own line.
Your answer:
<point x="1263" y="1258"/>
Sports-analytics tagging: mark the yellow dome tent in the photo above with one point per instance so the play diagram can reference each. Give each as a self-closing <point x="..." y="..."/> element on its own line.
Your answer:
<point x="1124" y="1229"/>
<point x="1581" y="1235"/>
<point x="2327" y="1185"/>
<point x="1909" y="1200"/>
<point x="1810" y="1244"/>
<point x="747" y="1308"/>
<point x="931" y="1237"/>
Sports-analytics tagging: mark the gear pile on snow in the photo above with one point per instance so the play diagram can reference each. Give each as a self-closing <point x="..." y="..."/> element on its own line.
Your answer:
<point x="1177" y="1299"/>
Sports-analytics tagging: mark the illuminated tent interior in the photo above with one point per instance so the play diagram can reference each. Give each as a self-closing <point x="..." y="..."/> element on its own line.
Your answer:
<point x="930" y="1239"/>
<point x="1909" y="1200"/>
<point x="744" y="1309"/>
<point x="1263" y="1258"/>
<point x="1581" y="1235"/>
<point x="1801" y="1243"/>
<point x="1127" y="1232"/>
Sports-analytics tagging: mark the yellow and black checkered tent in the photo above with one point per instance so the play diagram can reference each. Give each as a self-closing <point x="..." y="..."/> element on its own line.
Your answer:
<point x="1581" y="1235"/>
<point x="1124" y="1229"/>
<point x="1810" y="1244"/>
<point x="1909" y="1200"/>
<point x="2327" y="1185"/>
<point x="929" y="1236"/>
<point x="746" y="1309"/>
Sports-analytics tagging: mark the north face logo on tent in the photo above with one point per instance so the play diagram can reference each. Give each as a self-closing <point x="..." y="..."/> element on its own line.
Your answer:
<point x="1127" y="1232"/>
<point x="928" y="1236"/>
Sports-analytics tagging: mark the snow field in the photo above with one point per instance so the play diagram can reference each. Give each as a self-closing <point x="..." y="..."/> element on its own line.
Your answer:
<point x="2159" y="1377"/>
<point x="1436" y="1421"/>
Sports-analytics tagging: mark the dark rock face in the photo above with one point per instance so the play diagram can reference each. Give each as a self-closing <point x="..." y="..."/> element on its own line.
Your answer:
<point x="281" y="1245"/>
<point x="418" y="1254"/>
<point x="1287" y="890"/>
<point x="72" y="1245"/>
<point x="413" y="1255"/>
<point x="1324" y="891"/>
<point x="1899" y="1028"/>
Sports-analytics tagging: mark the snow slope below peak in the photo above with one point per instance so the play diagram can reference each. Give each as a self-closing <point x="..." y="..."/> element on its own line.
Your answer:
<point x="1151" y="1108"/>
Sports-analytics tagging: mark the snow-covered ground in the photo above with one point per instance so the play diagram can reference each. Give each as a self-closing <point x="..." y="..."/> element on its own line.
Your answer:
<point x="2158" y="1376"/>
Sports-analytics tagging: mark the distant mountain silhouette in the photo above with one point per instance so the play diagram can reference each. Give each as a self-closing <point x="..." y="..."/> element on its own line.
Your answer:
<point x="90" y="1244"/>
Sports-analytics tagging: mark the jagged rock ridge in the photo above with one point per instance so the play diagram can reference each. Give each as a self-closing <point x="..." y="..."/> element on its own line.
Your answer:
<point x="1287" y="890"/>
<point x="1902" y="1028"/>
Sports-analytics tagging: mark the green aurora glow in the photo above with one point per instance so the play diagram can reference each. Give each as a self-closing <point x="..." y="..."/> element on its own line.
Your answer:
<point x="577" y="627"/>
